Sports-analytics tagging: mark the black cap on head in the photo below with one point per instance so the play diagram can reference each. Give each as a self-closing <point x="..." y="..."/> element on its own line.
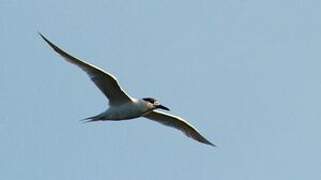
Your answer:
<point x="155" y="103"/>
<point x="149" y="99"/>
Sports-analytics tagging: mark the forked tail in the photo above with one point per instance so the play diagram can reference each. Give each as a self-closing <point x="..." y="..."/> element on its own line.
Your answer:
<point x="92" y="118"/>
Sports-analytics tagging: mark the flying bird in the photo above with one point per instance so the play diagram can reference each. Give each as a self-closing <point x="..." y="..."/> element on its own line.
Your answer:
<point x="124" y="107"/>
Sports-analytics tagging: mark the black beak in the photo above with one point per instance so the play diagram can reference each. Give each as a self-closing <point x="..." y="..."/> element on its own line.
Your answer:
<point x="163" y="107"/>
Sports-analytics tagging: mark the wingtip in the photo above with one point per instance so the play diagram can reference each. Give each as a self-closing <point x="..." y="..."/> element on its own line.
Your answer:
<point x="41" y="35"/>
<point x="53" y="46"/>
<point x="210" y="144"/>
<point x="203" y="140"/>
<point x="44" y="38"/>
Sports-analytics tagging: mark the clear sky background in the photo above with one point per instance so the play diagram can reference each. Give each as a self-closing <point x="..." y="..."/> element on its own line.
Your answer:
<point x="246" y="73"/>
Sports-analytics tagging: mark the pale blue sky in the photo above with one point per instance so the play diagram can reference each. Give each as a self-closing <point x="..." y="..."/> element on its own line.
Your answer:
<point x="246" y="73"/>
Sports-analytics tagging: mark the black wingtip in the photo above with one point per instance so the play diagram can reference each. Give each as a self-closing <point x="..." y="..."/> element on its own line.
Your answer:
<point x="47" y="41"/>
<point x="209" y="143"/>
<point x="203" y="140"/>
<point x="213" y="145"/>
<point x="42" y="36"/>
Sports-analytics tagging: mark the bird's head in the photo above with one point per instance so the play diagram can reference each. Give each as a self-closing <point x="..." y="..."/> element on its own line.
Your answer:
<point x="155" y="103"/>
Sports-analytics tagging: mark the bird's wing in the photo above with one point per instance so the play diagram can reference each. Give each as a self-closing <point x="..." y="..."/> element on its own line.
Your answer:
<point x="178" y="123"/>
<point x="106" y="82"/>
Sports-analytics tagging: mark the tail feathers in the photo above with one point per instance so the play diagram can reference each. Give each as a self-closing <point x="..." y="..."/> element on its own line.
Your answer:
<point x="92" y="119"/>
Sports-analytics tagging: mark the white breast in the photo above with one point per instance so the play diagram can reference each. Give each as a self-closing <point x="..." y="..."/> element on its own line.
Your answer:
<point x="127" y="111"/>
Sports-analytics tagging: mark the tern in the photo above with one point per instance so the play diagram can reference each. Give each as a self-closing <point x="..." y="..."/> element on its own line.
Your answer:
<point x="124" y="107"/>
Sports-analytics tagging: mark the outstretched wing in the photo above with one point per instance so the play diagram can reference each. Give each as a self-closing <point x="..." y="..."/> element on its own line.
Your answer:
<point x="178" y="123"/>
<point x="106" y="82"/>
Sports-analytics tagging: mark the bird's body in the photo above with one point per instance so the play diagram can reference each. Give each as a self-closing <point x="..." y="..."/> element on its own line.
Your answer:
<point x="130" y="110"/>
<point x="124" y="107"/>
